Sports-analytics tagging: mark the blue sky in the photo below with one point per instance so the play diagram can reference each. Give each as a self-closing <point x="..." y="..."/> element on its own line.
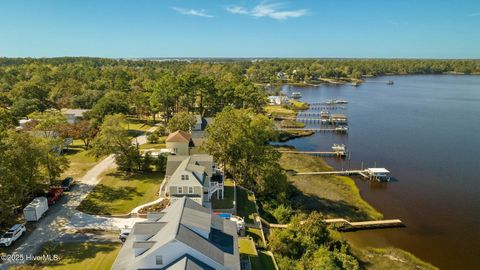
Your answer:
<point x="221" y="28"/>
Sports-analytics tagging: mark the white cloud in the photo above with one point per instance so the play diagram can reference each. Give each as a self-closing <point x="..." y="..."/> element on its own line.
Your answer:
<point x="193" y="12"/>
<point x="271" y="10"/>
<point x="474" y="14"/>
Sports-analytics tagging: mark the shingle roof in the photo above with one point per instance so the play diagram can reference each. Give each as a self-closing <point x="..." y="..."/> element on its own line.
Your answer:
<point x="179" y="136"/>
<point x="187" y="222"/>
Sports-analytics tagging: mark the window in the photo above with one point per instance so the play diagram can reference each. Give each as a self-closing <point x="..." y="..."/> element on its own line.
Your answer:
<point x="190" y="190"/>
<point x="179" y="190"/>
<point x="184" y="177"/>
<point x="158" y="260"/>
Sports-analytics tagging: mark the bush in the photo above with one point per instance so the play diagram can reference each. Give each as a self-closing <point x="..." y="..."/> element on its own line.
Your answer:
<point x="153" y="138"/>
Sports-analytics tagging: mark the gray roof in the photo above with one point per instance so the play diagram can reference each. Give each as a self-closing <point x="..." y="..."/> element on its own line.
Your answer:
<point x="75" y="112"/>
<point x="187" y="262"/>
<point x="174" y="161"/>
<point x="190" y="223"/>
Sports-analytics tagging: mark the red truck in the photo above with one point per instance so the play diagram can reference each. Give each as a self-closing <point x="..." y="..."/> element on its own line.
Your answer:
<point x="54" y="194"/>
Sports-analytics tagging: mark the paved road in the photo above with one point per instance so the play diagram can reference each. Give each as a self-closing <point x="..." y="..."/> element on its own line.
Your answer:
<point x="62" y="219"/>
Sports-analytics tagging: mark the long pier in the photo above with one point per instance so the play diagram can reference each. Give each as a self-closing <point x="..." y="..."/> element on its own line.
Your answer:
<point x="344" y="225"/>
<point x="315" y="129"/>
<point x="316" y="153"/>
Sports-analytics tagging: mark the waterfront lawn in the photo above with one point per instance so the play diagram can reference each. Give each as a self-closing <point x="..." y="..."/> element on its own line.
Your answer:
<point x="246" y="206"/>
<point x="280" y="111"/>
<point x="117" y="194"/>
<point x="389" y="258"/>
<point x="227" y="202"/>
<point x="333" y="196"/>
<point x="291" y="124"/>
<point x="80" y="160"/>
<point x="80" y="256"/>
<point x="299" y="105"/>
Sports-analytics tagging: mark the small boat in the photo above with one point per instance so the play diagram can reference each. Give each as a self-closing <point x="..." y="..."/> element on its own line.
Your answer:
<point x="338" y="147"/>
<point x="296" y="95"/>
<point x="390" y="82"/>
<point x="341" y="101"/>
<point x="329" y="101"/>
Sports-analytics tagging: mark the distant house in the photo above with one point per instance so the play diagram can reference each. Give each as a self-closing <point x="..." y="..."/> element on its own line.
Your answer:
<point x="22" y="123"/>
<point x="196" y="177"/>
<point x="179" y="142"/>
<point x="278" y="100"/>
<point x="183" y="236"/>
<point x="198" y="124"/>
<point x="74" y="115"/>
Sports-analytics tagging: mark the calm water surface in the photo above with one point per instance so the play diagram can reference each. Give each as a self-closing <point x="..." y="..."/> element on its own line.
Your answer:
<point x="426" y="131"/>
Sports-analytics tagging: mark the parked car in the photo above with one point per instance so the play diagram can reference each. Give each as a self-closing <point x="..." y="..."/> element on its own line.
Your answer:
<point x="67" y="183"/>
<point x="54" y="194"/>
<point x="35" y="209"/>
<point x="124" y="233"/>
<point x="12" y="235"/>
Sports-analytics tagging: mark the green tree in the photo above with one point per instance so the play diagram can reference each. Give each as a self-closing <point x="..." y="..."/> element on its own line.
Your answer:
<point x="113" y="139"/>
<point x="181" y="121"/>
<point x="50" y="123"/>
<point x="112" y="103"/>
<point x="238" y="140"/>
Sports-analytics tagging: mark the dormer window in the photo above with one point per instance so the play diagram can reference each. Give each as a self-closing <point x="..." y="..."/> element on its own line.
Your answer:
<point x="184" y="177"/>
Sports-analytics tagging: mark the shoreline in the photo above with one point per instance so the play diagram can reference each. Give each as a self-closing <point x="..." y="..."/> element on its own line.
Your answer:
<point x="369" y="257"/>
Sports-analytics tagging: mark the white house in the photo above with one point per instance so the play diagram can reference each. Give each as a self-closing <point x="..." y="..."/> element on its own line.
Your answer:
<point x="74" y="115"/>
<point x="196" y="177"/>
<point x="185" y="235"/>
<point x="278" y="100"/>
<point x="179" y="142"/>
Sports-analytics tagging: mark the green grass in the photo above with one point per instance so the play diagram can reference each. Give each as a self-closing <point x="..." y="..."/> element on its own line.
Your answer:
<point x="80" y="160"/>
<point x="333" y="196"/>
<point x="389" y="258"/>
<point x="80" y="256"/>
<point x="247" y="246"/>
<point x="156" y="146"/>
<point x="246" y="206"/>
<point x="262" y="262"/>
<point x="277" y="111"/>
<point x="117" y="194"/>
<point x="291" y="124"/>
<point x="227" y="201"/>
<point x="255" y="234"/>
<point x="299" y="105"/>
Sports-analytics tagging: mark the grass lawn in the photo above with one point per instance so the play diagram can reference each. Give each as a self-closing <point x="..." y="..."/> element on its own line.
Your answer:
<point x="245" y="205"/>
<point x="291" y="124"/>
<point x="277" y="110"/>
<point x="389" y="258"/>
<point x="299" y="105"/>
<point x="80" y="160"/>
<point x="333" y="196"/>
<point x="117" y="194"/>
<point x="138" y="126"/>
<point x="156" y="146"/>
<point x="81" y="256"/>
<point x="247" y="246"/>
<point x="227" y="201"/>
<point x="262" y="262"/>
<point x="255" y="234"/>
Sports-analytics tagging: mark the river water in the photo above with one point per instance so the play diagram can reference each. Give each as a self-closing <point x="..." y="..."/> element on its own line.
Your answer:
<point x="425" y="129"/>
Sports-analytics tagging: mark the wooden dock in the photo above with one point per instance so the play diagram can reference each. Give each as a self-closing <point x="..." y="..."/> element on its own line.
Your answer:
<point x="345" y="225"/>
<point x="342" y="224"/>
<point x="316" y="153"/>
<point x="315" y="129"/>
